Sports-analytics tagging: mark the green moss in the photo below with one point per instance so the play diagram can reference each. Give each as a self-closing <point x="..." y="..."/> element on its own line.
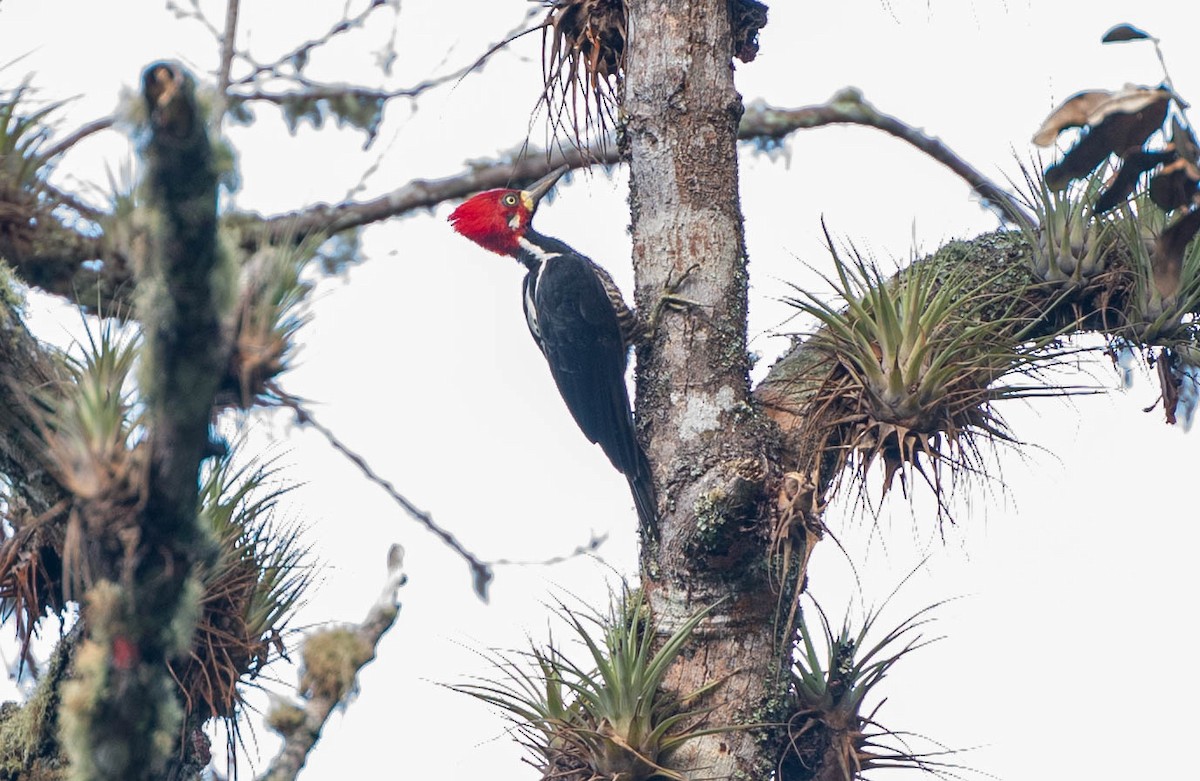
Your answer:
<point x="711" y="520"/>
<point x="183" y="623"/>
<point x="331" y="661"/>
<point x="11" y="295"/>
<point x="285" y="718"/>
<point x="81" y="698"/>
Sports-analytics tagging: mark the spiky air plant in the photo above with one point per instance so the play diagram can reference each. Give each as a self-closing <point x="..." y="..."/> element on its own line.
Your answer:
<point x="1164" y="266"/>
<point x="583" y="62"/>
<point x="1070" y="241"/>
<point x="608" y="719"/>
<point x="93" y="430"/>
<point x="916" y="364"/>
<point x="24" y="133"/>
<point x="250" y="591"/>
<point x="273" y="294"/>
<point x="89" y="426"/>
<point x="1160" y="290"/>
<point x="830" y="738"/>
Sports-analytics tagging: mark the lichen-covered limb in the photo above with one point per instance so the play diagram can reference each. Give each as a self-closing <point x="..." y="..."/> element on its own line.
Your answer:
<point x="121" y="716"/>
<point x="1001" y="262"/>
<point x="91" y="269"/>
<point x="29" y="742"/>
<point x="333" y="658"/>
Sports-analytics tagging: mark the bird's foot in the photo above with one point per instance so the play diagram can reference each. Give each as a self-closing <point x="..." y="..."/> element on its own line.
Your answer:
<point x="670" y="299"/>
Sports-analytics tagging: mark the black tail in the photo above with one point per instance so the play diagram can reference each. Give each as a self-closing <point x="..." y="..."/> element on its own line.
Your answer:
<point x="641" y="485"/>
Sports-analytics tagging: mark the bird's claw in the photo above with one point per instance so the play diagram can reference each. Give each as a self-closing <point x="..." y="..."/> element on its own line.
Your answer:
<point x="670" y="299"/>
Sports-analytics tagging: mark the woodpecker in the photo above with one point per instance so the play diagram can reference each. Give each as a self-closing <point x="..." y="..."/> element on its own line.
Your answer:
<point x="578" y="319"/>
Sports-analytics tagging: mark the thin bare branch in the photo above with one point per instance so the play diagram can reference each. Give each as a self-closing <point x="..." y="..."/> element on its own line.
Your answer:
<point x="849" y="107"/>
<point x="588" y="548"/>
<point x="427" y="193"/>
<point x="317" y="707"/>
<point x="228" y="39"/>
<point x="307" y="89"/>
<point x="316" y="91"/>
<point x="45" y="267"/>
<point x="481" y="572"/>
<point x="77" y="135"/>
<point x="71" y="202"/>
<point x="302" y="52"/>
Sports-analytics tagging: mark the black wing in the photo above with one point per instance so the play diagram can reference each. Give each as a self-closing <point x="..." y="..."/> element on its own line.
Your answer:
<point x="578" y="330"/>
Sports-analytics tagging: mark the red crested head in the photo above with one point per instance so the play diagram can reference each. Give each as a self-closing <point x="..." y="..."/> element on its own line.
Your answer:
<point x="494" y="219"/>
<point x="497" y="219"/>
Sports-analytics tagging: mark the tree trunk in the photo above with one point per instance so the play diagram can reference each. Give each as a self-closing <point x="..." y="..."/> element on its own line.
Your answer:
<point x="707" y="444"/>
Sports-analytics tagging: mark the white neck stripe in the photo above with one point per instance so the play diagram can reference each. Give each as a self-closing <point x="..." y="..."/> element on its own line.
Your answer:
<point x="536" y="251"/>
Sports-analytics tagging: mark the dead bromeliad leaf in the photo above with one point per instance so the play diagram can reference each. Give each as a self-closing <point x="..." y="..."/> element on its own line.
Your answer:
<point x="1115" y="124"/>
<point x="583" y="59"/>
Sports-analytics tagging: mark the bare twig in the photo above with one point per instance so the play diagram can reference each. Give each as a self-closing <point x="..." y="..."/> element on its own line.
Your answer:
<point x="299" y="740"/>
<point x="425" y="193"/>
<point x="481" y="572"/>
<point x="302" y="52"/>
<point x="71" y="202"/>
<point x="758" y="123"/>
<point x="587" y="548"/>
<point x="77" y="135"/>
<point x="196" y="14"/>
<point x="227" y="51"/>
<point x="849" y="107"/>
<point x="313" y="90"/>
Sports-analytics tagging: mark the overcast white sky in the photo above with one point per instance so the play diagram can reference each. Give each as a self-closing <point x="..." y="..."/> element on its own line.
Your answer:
<point x="1061" y="659"/>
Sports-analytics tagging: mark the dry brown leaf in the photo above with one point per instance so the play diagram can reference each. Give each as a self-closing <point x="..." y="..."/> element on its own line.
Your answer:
<point x="1166" y="262"/>
<point x="1073" y="112"/>
<point x="1119" y="125"/>
<point x="1125" y="32"/>
<point x="1132" y="99"/>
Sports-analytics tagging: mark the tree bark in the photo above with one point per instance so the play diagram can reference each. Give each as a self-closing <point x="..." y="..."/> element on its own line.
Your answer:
<point x="707" y="444"/>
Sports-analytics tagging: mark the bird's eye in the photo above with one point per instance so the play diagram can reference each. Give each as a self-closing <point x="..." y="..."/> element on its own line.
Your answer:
<point x="510" y="200"/>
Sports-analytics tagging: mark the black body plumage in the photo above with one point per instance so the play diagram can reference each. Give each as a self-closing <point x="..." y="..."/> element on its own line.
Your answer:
<point x="583" y="327"/>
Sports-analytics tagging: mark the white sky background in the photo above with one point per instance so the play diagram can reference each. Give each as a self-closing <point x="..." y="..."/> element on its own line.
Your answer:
<point x="1061" y="659"/>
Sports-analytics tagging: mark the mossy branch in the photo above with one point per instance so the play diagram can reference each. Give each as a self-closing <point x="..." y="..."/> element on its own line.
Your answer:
<point x="120" y="715"/>
<point x="1002" y="261"/>
<point x="332" y="659"/>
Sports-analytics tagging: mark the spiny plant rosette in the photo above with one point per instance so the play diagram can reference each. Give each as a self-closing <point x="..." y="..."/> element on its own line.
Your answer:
<point x="1070" y="242"/>
<point x="606" y="719"/>
<point x="1163" y="295"/>
<point x="270" y="313"/>
<point x="828" y="736"/>
<point x="1164" y="266"/>
<point x="915" y="364"/>
<point x="23" y="164"/>
<point x="583" y="61"/>
<point x="251" y="589"/>
<point x="1157" y="292"/>
<point x="90" y="428"/>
